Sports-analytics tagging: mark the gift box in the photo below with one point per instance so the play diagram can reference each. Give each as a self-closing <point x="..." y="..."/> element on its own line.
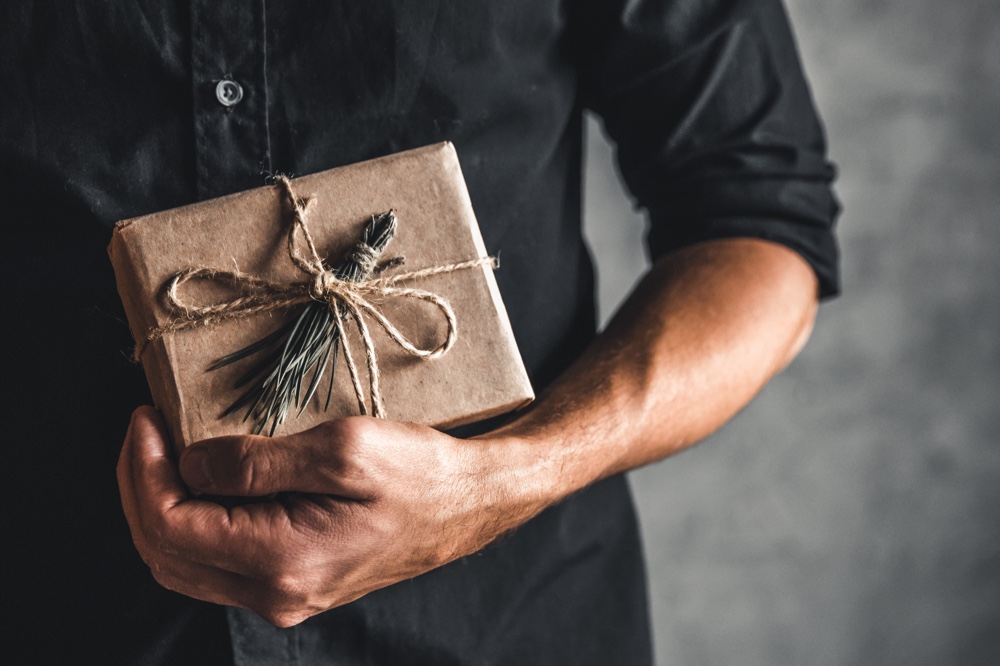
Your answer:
<point x="421" y="320"/>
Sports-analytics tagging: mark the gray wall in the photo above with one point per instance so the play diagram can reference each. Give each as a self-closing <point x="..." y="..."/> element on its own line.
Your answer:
<point x="851" y="514"/>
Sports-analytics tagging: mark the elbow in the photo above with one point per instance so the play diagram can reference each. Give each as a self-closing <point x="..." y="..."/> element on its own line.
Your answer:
<point x="801" y="336"/>
<point x="805" y="322"/>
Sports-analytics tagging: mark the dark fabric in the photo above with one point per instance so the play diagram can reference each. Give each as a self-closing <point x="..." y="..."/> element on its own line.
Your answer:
<point x="109" y="110"/>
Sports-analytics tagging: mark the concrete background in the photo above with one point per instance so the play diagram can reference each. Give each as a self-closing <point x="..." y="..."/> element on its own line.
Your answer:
<point x="851" y="514"/>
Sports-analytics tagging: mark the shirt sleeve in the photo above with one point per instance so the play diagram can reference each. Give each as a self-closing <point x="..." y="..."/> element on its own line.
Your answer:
<point x="716" y="131"/>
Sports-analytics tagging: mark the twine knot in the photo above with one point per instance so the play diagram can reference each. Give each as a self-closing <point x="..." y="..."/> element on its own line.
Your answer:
<point x="323" y="285"/>
<point x="346" y="298"/>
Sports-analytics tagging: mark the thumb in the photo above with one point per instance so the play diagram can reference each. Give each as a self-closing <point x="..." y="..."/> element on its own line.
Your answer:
<point x="255" y="466"/>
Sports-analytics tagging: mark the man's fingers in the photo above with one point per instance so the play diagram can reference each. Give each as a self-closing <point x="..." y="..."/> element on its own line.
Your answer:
<point x="147" y="480"/>
<point x="246" y="556"/>
<point x="152" y="467"/>
<point x="126" y="487"/>
<point x="203" y="582"/>
<point x="251" y="466"/>
<point x="311" y="546"/>
<point x="265" y="596"/>
<point x="279" y="606"/>
<point x="165" y="523"/>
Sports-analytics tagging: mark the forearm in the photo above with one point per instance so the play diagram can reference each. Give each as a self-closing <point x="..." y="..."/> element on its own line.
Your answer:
<point x="699" y="337"/>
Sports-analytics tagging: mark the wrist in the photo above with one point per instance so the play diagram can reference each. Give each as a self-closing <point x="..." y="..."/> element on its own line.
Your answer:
<point x="531" y="470"/>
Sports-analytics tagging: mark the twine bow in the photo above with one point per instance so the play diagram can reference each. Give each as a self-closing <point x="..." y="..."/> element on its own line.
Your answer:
<point x="345" y="298"/>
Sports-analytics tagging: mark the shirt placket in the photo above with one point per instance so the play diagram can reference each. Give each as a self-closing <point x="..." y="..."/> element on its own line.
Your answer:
<point x="229" y="86"/>
<point x="232" y="153"/>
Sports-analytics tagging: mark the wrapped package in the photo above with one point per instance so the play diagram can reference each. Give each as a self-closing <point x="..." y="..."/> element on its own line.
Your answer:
<point x="412" y="329"/>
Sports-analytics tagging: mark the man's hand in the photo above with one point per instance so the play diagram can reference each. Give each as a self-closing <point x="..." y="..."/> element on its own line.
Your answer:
<point x="375" y="502"/>
<point x="365" y="503"/>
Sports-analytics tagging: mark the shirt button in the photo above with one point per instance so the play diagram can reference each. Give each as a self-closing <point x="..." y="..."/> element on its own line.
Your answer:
<point x="228" y="92"/>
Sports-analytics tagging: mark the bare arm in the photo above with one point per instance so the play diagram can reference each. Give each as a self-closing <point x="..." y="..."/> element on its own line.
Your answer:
<point x="699" y="337"/>
<point x="376" y="502"/>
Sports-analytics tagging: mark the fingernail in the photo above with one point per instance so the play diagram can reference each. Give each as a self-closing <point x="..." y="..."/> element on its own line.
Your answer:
<point x="194" y="468"/>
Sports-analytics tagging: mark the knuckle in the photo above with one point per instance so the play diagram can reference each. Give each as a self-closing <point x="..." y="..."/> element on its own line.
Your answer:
<point x="284" y="618"/>
<point x="288" y="588"/>
<point x="352" y="439"/>
<point x="288" y="601"/>
<point x="342" y="458"/>
<point x="253" y="465"/>
<point x="348" y="431"/>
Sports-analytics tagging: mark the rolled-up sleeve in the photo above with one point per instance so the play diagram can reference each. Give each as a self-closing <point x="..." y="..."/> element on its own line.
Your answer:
<point x="716" y="130"/>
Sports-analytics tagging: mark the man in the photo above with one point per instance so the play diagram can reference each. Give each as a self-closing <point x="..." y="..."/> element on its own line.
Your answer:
<point x="509" y="542"/>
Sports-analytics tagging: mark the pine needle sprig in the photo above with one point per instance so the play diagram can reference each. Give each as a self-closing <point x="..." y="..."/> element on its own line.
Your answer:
<point x="303" y="348"/>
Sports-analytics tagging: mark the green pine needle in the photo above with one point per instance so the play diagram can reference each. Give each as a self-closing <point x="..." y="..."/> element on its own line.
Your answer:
<point x="301" y="349"/>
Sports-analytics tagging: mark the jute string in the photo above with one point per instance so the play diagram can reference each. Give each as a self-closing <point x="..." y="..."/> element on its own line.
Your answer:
<point x="353" y="299"/>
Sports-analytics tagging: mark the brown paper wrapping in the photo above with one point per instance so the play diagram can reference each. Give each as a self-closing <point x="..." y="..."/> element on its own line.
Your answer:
<point x="481" y="376"/>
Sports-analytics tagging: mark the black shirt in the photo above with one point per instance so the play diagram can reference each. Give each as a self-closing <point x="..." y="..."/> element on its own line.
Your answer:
<point x="112" y="110"/>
